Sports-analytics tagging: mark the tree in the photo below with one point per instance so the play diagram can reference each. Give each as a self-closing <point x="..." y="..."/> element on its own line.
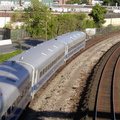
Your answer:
<point x="80" y="19"/>
<point x="73" y="2"/>
<point x="106" y="2"/>
<point x="118" y="2"/>
<point x="64" y="23"/>
<point x="51" y="27"/>
<point x="111" y="2"/>
<point x="97" y="14"/>
<point x="36" y="18"/>
<point x="77" y="1"/>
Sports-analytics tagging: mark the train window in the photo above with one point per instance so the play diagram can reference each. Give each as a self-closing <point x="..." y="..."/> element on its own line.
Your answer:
<point x="40" y="73"/>
<point x="3" y="117"/>
<point x="75" y="46"/>
<point x="9" y="111"/>
<point x="53" y="63"/>
<point x="22" y="94"/>
<point x="18" y="99"/>
<point x="47" y="67"/>
<point x="50" y="65"/>
<point x="13" y="106"/>
<point x="43" y="71"/>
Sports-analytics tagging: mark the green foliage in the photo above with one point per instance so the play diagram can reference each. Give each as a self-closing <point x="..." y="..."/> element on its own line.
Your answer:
<point x="40" y="22"/>
<point x="106" y="2"/>
<point x="111" y="2"/>
<point x="19" y="44"/>
<point x="36" y="17"/>
<point x="64" y="23"/>
<point x="97" y="14"/>
<point x="73" y="1"/>
<point x="51" y="27"/>
<point x="77" y="1"/>
<point x="80" y="20"/>
<point x="17" y="16"/>
<point x="7" y="56"/>
<point x="89" y="24"/>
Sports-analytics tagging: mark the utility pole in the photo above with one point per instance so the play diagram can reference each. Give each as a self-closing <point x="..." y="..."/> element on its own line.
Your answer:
<point x="20" y="2"/>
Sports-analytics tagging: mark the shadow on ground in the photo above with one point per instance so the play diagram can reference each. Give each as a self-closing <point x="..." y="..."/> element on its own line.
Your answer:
<point x="27" y="44"/>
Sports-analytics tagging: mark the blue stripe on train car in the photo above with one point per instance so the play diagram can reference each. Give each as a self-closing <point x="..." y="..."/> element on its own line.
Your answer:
<point x="48" y="75"/>
<point x="75" y="50"/>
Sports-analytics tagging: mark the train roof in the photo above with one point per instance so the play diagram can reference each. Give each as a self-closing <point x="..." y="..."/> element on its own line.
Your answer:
<point x="72" y="37"/>
<point x="12" y="76"/>
<point x="36" y="56"/>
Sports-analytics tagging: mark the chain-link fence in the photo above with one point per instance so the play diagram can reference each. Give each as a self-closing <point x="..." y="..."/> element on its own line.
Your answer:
<point x="116" y="15"/>
<point x="19" y="34"/>
<point x="5" y="34"/>
<point x="14" y="35"/>
<point x="102" y="31"/>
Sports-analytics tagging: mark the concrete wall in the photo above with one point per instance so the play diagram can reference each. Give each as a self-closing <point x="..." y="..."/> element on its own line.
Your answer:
<point x="113" y="21"/>
<point x="5" y="42"/>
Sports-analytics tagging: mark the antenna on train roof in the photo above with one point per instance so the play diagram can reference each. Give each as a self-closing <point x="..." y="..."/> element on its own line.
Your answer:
<point x="21" y="58"/>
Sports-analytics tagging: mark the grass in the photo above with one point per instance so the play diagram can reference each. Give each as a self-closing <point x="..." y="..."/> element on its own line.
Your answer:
<point x="7" y="56"/>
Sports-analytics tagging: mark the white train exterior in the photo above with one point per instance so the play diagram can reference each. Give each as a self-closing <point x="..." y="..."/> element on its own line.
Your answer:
<point x="23" y="75"/>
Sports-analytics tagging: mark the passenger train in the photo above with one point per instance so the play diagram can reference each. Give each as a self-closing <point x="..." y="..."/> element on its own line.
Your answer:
<point x="23" y="75"/>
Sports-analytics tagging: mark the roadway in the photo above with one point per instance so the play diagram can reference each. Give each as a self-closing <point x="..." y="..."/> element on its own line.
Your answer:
<point x="26" y="44"/>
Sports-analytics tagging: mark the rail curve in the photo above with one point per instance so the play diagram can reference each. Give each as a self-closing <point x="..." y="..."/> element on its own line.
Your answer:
<point x="104" y="97"/>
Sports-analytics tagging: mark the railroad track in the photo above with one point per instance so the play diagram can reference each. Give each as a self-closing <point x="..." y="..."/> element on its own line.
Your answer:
<point x="105" y="98"/>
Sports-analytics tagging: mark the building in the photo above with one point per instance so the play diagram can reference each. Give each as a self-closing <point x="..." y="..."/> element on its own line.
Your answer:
<point x="22" y="2"/>
<point x="97" y="2"/>
<point x="60" y="1"/>
<point x="91" y="2"/>
<point x="47" y="2"/>
<point x="8" y="2"/>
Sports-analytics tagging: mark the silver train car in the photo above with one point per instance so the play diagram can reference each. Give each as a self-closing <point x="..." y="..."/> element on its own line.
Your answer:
<point x="73" y="42"/>
<point x="23" y="75"/>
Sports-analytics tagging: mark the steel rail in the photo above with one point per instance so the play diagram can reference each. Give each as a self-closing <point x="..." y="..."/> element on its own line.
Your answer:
<point x="106" y="89"/>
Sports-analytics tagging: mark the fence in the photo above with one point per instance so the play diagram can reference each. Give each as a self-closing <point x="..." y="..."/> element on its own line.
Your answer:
<point x="14" y="35"/>
<point x="117" y="15"/>
<point x="103" y="31"/>
<point x="19" y="34"/>
<point x="5" y="34"/>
